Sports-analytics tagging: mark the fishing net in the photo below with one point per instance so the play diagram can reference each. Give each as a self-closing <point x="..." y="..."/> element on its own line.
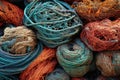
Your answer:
<point x="108" y="62"/>
<point x="58" y="74"/>
<point x="102" y="35"/>
<point x="92" y="10"/>
<point x="55" y="21"/>
<point x="10" y="13"/>
<point x="75" y="58"/>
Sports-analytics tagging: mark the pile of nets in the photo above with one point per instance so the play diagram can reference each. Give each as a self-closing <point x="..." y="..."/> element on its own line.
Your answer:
<point x="17" y="49"/>
<point x="75" y="58"/>
<point x="58" y="74"/>
<point x="10" y="13"/>
<point x="55" y="21"/>
<point x="102" y="35"/>
<point x="108" y="62"/>
<point x="92" y="10"/>
<point x="41" y="66"/>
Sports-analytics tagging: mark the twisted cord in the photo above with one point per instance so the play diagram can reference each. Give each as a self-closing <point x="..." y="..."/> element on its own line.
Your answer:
<point x="55" y="21"/>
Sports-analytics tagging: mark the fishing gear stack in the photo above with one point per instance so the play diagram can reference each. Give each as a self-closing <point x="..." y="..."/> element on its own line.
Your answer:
<point x="59" y="39"/>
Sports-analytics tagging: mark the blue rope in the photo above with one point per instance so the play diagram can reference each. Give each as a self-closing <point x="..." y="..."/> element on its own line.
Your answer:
<point x="75" y="58"/>
<point x="11" y="64"/>
<point x="55" y="21"/>
<point x="58" y="74"/>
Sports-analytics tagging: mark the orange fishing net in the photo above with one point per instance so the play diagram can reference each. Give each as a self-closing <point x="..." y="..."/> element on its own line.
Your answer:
<point x="93" y="10"/>
<point x="108" y="62"/>
<point x="10" y="13"/>
<point x="41" y="66"/>
<point x="102" y="35"/>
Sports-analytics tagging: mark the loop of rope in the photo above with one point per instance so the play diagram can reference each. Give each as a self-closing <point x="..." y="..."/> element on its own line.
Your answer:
<point x="75" y="58"/>
<point x="54" y="21"/>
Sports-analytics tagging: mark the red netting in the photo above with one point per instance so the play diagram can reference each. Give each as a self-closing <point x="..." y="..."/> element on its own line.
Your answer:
<point x="10" y="13"/>
<point x="93" y="10"/>
<point x="102" y="35"/>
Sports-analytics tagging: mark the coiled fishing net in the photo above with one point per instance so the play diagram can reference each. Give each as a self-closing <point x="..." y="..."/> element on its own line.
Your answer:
<point x="93" y="10"/>
<point x="55" y="21"/>
<point x="17" y="49"/>
<point x="58" y="74"/>
<point x="102" y="35"/>
<point x="10" y="13"/>
<point x="108" y="62"/>
<point x="44" y="64"/>
<point x="18" y="40"/>
<point x="75" y="58"/>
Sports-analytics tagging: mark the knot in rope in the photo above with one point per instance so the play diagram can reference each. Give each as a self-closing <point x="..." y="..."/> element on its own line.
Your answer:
<point x="75" y="58"/>
<point x="55" y="21"/>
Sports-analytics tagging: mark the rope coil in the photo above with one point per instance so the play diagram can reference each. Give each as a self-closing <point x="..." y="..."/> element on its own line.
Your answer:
<point x="54" y="21"/>
<point x="75" y="58"/>
<point x="102" y="35"/>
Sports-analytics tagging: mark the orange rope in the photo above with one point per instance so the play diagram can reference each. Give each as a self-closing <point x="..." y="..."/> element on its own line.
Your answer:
<point x="41" y="66"/>
<point x="10" y="13"/>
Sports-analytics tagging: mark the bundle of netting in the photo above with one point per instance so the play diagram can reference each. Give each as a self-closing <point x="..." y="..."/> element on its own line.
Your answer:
<point x="41" y="66"/>
<point x="57" y="74"/>
<point x="10" y="13"/>
<point x="4" y="77"/>
<point x="18" y="48"/>
<point x="93" y="10"/>
<point x="78" y="79"/>
<point x="72" y="1"/>
<point x="55" y="21"/>
<point x="75" y="58"/>
<point x="108" y="62"/>
<point x="102" y="35"/>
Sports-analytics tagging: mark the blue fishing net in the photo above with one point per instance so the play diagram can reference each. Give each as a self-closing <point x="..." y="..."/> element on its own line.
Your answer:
<point x="55" y="21"/>
<point x="75" y="58"/>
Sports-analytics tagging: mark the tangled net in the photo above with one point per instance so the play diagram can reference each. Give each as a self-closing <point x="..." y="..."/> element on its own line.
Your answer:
<point x="93" y="10"/>
<point x="58" y="74"/>
<point x="41" y="66"/>
<point x="55" y="21"/>
<point x="108" y="62"/>
<point x="72" y="1"/>
<point x="10" y="13"/>
<point x="13" y="64"/>
<point x="75" y="58"/>
<point x="18" y="40"/>
<point x="102" y="35"/>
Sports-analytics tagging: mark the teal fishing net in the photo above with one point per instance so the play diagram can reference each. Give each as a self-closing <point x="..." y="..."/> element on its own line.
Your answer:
<point x="55" y="21"/>
<point x="75" y="58"/>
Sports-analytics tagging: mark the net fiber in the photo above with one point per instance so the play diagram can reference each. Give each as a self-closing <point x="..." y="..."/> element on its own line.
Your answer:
<point x="10" y="13"/>
<point x="102" y="35"/>
<point x="18" y="40"/>
<point x="58" y="74"/>
<point x="75" y="58"/>
<point x="108" y="62"/>
<point x="93" y="10"/>
<point x="41" y="66"/>
<point x="54" y="21"/>
<point x="21" y="42"/>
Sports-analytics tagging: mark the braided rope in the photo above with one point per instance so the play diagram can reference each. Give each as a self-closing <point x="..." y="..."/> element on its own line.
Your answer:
<point x="75" y="58"/>
<point x="54" y="21"/>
